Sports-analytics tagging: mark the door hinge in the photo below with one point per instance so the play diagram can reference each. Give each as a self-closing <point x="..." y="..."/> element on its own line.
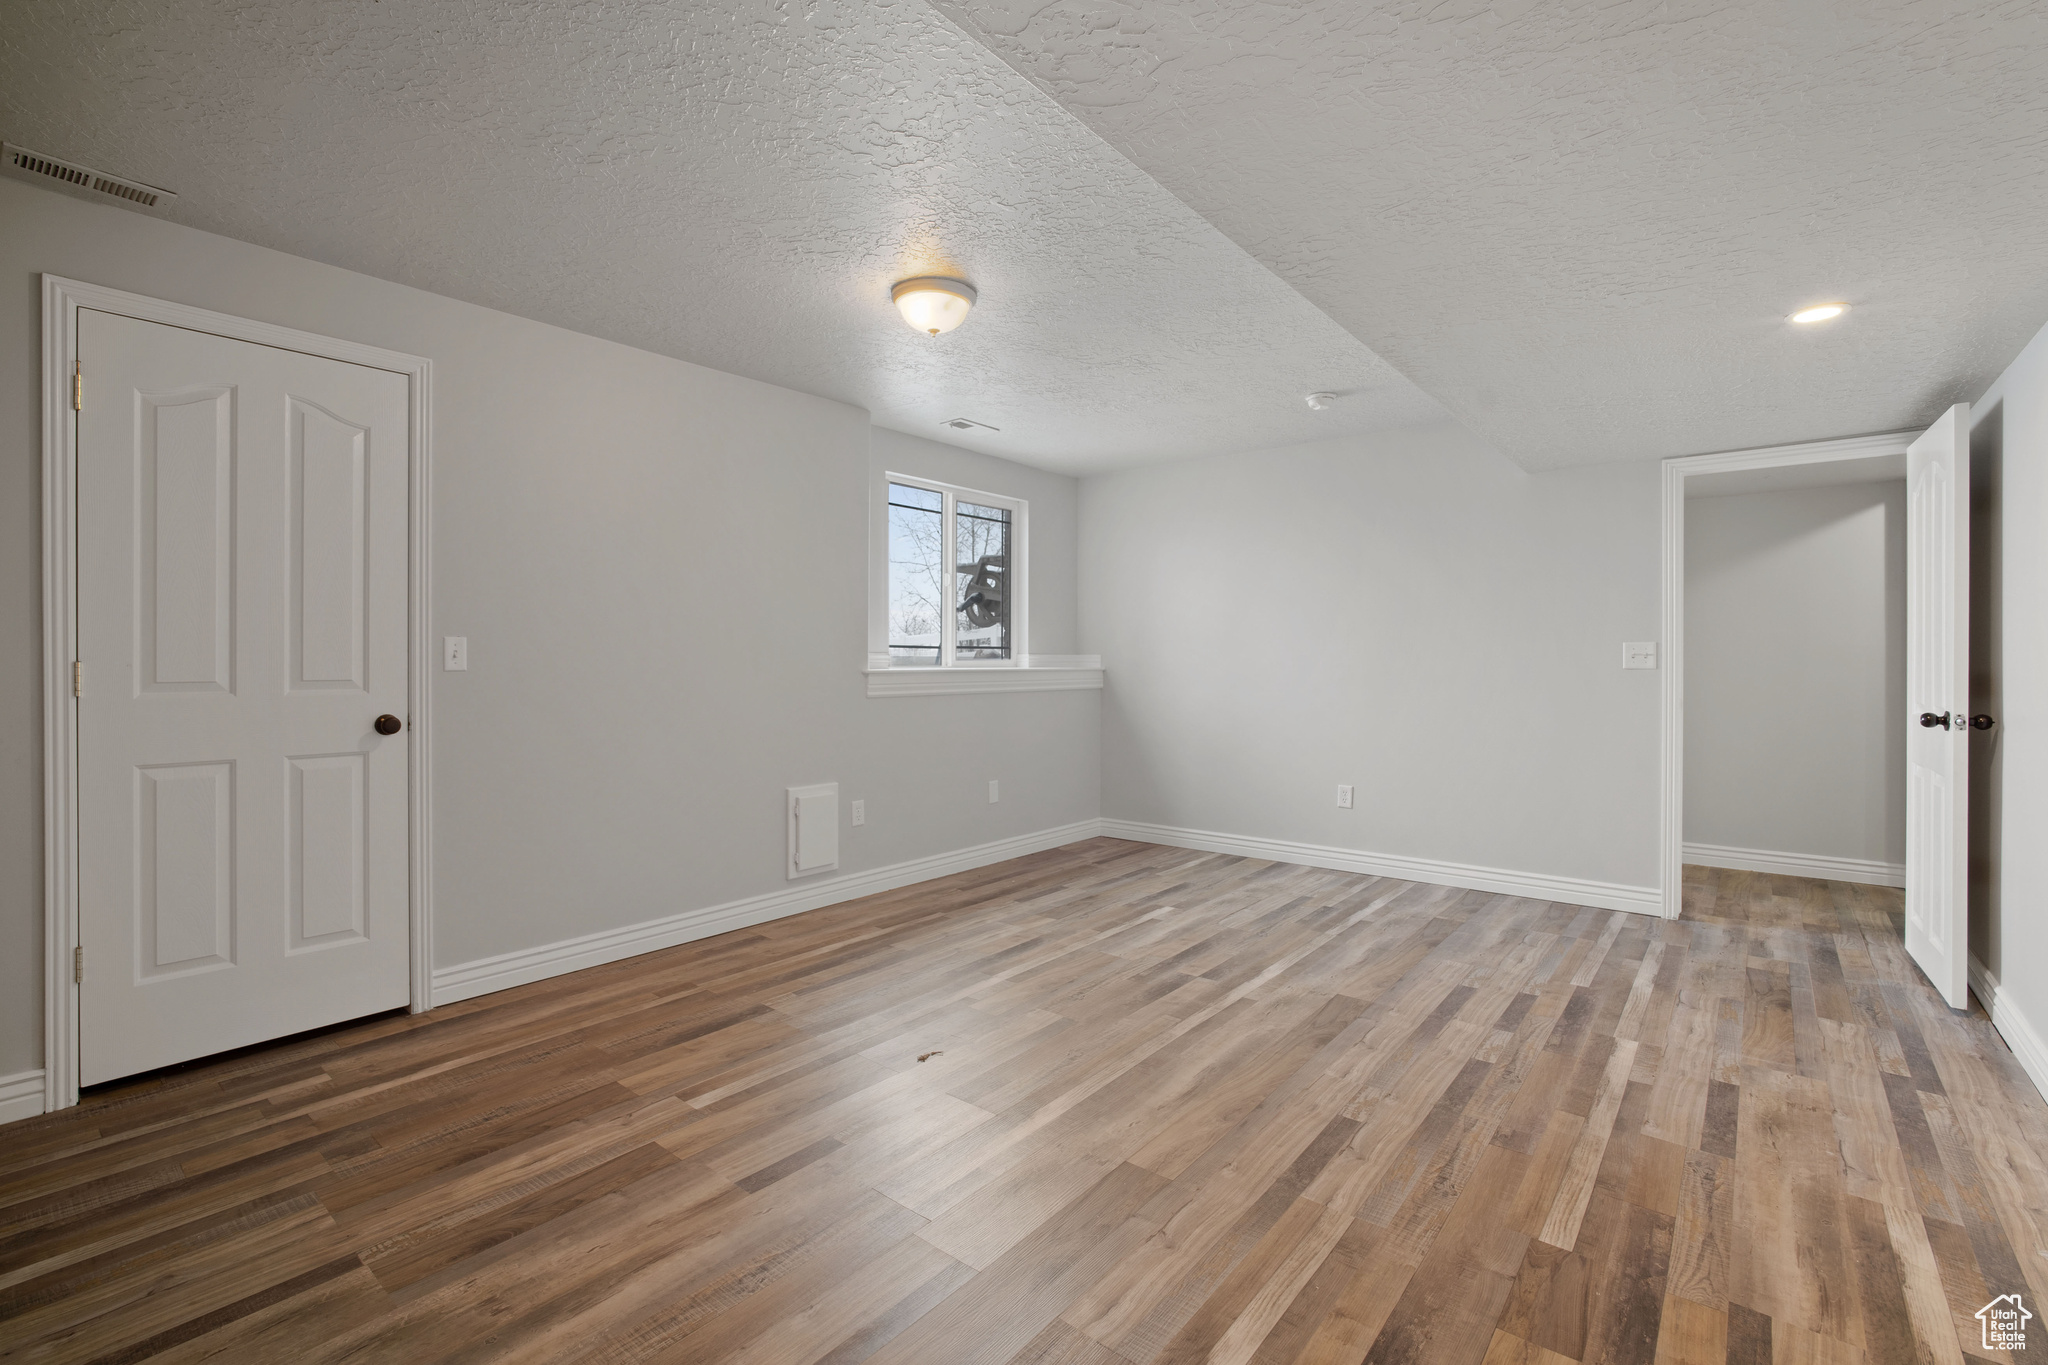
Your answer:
<point x="78" y="965"/>
<point x="78" y="677"/>
<point x="77" y="386"/>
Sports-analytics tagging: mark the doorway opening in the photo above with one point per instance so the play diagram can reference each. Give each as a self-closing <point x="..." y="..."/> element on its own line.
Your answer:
<point x="1795" y="620"/>
<point x="1816" y="720"/>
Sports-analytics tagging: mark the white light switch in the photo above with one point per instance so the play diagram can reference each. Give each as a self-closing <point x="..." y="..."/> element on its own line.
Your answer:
<point x="1344" y="796"/>
<point x="1639" y="654"/>
<point x="455" y="653"/>
<point x="993" y="796"/>
<point x="860" y="812"/>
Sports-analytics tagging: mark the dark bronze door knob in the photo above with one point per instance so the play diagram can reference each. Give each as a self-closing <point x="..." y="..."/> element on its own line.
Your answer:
<point x="389" y="725"/>
<point x="1930" y="720"/>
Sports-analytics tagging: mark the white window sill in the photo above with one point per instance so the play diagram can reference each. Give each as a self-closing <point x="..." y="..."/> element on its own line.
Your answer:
<point x="1041" y="673"/>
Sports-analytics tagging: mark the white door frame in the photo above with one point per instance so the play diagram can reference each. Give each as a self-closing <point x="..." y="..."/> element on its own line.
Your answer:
<point x="1671" y="731"/>
<point x="62" y="299"/>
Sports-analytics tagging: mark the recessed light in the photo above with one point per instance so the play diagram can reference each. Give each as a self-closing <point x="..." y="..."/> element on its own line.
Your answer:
<point x="1820" y="312"/>
<point x="933" y="303"/>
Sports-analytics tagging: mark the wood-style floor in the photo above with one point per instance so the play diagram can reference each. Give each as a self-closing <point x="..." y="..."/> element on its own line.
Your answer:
<point x="1105" y="1105"/>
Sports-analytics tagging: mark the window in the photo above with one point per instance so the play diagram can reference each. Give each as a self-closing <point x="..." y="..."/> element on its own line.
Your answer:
<point x="956" y="576"/>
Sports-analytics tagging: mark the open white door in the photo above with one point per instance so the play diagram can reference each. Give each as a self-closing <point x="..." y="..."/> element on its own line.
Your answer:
<point x="1938" y="699"/>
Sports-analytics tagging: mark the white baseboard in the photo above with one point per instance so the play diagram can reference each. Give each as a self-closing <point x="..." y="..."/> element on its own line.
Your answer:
<point x="21" y="1095"/>
<point x="1539" y="885"/>
<point x="2012" y="1026"/>
<point x="590" y="950"/>
<point x="1864" y="871"/>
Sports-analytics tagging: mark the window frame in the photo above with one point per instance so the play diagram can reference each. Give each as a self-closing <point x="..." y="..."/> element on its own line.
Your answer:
<point x="1015" y="572"/>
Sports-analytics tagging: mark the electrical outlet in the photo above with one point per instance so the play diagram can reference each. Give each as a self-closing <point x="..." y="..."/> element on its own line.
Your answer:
<point x="993" y="796"/>
<point x="1344" y="796"/>
<point x="455" y="653"/>
<point x="860" y="812"/>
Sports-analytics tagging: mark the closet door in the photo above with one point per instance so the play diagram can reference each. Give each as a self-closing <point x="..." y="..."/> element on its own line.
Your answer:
<point x="242" y="570"/>
<point x="1938" y="699"/>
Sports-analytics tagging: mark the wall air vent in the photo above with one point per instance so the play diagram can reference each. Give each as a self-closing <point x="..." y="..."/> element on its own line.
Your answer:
<point x="43" y="169"/>
<point x="967" y="424"/>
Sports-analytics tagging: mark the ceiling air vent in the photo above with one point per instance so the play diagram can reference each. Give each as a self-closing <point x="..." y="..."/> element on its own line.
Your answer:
<point x="39" y="167"/>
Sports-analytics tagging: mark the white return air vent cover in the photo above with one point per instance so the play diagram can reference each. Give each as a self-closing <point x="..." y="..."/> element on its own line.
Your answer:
<point x="813" y="829"/>
<point x="43" y="169"/>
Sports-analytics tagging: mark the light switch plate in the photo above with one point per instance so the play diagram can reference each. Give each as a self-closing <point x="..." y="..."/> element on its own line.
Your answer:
<point x="455" y="653"/>
<point x="1639" y="654"/>
<point x="993" y="795"/>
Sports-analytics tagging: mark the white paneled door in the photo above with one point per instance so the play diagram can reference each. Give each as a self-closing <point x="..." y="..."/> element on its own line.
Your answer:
<point x="243" y="824"/>
<point x="1938" y="700"/>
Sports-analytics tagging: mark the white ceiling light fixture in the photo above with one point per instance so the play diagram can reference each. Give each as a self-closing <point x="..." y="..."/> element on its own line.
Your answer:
<point x="933" y="303"/>
<point x="1319" y="401"/>
<point x="1820" y="312"/>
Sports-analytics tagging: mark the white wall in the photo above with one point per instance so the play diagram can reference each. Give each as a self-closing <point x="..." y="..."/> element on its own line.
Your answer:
<point x="661" y="570"/>
<point x="2008" y="926"/>
<point x="1795" y="657"/>
<point x="1410" y="613"/>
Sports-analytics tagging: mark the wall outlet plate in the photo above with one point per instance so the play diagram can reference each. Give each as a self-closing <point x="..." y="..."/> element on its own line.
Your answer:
<point x="1344" y="796"/>
<point x="860" y="812"/>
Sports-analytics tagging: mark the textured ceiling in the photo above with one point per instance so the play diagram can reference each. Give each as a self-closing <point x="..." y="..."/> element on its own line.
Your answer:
<point x="1579" y="224"/>
<point x="1576" y="224"/>
<point x="736" y="185"/>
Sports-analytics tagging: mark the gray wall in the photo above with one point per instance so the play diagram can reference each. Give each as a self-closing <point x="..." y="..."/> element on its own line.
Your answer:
<point x="2009" y="679"/>
<point x="1795" y="649"/>
<point x="1409" y="613"/>
<point x="661" y="572"/>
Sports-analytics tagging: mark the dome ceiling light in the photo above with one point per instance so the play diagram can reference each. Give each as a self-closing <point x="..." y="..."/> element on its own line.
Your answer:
<point x="1320" y="401"/>
<point x="933" y="303"/>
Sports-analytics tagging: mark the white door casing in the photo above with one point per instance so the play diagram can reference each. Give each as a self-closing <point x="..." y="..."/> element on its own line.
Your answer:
<point x="1938" y="689"/>
<point x="1882" y="456"/>
<point x="242" y="619"/>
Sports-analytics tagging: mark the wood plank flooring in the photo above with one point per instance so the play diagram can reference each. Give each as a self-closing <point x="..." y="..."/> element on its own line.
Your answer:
<point x="1106" y="1105"/>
